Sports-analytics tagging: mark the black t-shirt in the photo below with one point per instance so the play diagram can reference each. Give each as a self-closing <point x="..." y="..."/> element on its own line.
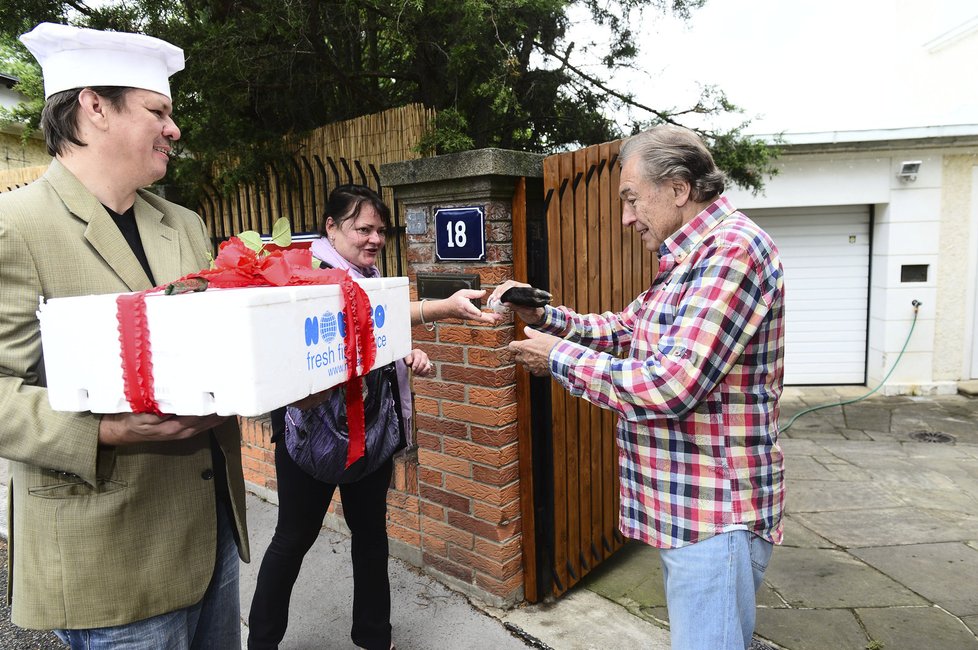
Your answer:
<point x="127" y="225"/>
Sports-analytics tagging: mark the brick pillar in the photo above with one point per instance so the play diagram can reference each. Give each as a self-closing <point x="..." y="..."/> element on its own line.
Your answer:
<point x="258" y="457"/>
<point x="455" y="505"/>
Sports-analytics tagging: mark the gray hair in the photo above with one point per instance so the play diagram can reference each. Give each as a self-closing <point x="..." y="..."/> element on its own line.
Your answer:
<point x="673" y="152"/>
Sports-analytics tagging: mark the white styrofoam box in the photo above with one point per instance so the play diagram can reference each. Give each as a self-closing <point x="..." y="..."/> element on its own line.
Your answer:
<point x="225" y="351"/>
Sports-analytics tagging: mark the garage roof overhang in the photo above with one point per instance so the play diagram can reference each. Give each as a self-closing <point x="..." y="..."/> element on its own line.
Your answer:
<point x="924" y="137"/>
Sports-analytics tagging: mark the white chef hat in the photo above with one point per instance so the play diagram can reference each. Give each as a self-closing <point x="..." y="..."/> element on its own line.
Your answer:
<point x="75" y="57"/>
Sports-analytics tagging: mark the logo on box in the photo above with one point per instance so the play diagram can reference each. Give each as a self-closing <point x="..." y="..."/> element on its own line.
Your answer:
<point x="326" y="326"/>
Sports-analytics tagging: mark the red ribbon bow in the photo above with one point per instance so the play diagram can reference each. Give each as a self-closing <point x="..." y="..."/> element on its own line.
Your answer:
<point x="239" y="266"/>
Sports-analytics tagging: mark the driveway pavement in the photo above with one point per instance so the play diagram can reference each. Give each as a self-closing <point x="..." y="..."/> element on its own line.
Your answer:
<point x="880" y="552"/>
<point x="881" y="529"/>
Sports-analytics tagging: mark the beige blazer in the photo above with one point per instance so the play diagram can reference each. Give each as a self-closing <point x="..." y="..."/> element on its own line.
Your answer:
<point x="98" y="536"/>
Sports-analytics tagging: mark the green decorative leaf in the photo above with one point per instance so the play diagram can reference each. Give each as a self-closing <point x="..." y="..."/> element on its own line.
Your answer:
<point x="282" y="233"/>
<point x="252" y="240"/>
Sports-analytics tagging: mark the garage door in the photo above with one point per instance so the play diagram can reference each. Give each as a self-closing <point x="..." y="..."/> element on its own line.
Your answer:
<point x="825" y="252"/>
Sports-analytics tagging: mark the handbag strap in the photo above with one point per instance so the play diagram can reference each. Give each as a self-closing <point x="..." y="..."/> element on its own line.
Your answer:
<point x="395" y="387"/>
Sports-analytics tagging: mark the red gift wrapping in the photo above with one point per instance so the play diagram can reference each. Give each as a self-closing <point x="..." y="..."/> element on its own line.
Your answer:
<point x="238" y="266"/>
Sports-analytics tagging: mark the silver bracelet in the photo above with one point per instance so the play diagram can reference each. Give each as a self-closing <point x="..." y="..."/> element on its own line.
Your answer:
<point x="428" y="326"/>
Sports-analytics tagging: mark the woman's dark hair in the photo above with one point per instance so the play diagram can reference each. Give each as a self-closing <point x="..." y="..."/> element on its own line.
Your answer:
<point x="59" y="117"/>
<point x="346" y="201"/>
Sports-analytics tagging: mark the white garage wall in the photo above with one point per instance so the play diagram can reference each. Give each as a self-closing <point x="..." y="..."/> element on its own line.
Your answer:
<point x="973" y="272"/>
<point x="906" y="230"/>
<point x="825" y="253"/>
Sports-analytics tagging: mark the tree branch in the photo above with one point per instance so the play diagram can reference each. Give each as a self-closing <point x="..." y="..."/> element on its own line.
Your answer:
<point x="597" y="83"/>
<point x="80" y="7"/>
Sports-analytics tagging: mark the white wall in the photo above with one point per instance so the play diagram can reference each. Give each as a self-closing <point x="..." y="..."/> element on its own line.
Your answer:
<point x="907" y="229"/>
<point x="972" y="324"/>
<point x="9" y="97"/>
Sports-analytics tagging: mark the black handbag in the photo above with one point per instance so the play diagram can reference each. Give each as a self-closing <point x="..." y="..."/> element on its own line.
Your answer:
<point x="318" y="438"/>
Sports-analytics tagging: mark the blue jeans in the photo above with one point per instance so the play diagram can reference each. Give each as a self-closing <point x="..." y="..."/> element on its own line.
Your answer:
<point x="710" y="587"/>
<point x="212" y="624"/>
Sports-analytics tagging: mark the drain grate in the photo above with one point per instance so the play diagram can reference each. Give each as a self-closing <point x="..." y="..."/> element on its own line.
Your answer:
<point x="931" y="436"/>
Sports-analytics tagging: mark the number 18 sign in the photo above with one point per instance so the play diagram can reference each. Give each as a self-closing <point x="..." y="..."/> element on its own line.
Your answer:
<point x="460" y="233"/>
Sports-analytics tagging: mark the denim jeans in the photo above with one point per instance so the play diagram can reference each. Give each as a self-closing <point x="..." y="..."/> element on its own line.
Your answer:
<point x="710" y="590"/>
<point x="212" y="624"/>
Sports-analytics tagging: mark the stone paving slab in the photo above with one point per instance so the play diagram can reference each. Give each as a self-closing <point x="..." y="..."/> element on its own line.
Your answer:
<point x="914" y="628"/>
<point x="805" y="468"/>
<point x="816" y="432"/>
<point x="883" y="527"/>
<point x="651" y="591"/>
<point x="945" y="574"/>
<point x="633" y="565"/>
<point x="871" y="418"/>
<point x="634" y="581"/>
<point x="767" y="597"/>
<point x="856" y="434"/>
<point x="656" y="615"/>
<point x="831" y="579"/>
<point x="962" y="429"/>
<point x="797" y="535"/>
<point x="913" y="474"/>
<point x="932" y="452"/>
<point x="824" y="496"/>
<point x="842" y="470"/>
<point x="971" y="622"/>
<point x="798" y="447"/>
<point x="958" y="501"/>
<point x="810" y="629"/>
<point x="860" y="451"/>
<point x="580" y="620"/>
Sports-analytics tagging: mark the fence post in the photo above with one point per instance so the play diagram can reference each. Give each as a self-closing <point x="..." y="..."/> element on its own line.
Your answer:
<point x="455" y="504"/>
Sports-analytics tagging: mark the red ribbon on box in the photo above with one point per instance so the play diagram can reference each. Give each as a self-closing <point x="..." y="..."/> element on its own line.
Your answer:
<point x="238" y="266"/>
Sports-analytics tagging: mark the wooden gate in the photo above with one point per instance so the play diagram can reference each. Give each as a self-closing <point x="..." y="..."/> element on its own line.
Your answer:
<point x="593" y="265"/>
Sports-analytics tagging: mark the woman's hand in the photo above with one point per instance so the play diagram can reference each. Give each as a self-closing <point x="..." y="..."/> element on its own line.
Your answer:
<point x="458" y="305"/>
<point x="530" y="315"/>
<point x="419" y="363"/>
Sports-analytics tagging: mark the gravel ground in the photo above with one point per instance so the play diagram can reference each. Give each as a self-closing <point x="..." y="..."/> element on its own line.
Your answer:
<point x="13" y="637"/>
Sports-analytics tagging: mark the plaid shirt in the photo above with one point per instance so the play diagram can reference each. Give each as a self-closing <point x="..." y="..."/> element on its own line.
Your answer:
<point x="698" y="392"/>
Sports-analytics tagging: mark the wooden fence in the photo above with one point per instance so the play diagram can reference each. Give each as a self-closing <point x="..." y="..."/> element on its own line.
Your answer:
<point x="11" y="179"/>
<point x="344" y="152"/>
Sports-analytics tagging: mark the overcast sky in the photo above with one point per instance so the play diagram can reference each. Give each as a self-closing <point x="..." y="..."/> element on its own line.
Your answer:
<point x="825" y="65"/>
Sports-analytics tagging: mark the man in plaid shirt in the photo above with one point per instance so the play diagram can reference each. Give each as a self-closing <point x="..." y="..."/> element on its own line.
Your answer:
<point x="694" y="368"/>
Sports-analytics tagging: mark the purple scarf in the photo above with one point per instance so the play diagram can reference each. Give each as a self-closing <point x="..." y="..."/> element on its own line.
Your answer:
<point x="323" y="251"/>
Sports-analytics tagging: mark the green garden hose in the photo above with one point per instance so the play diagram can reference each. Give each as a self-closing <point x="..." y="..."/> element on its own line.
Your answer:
<point x="916" y="308"/>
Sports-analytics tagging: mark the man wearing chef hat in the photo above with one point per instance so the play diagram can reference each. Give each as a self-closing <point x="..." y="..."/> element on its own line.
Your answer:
<point x="125" y="529"/>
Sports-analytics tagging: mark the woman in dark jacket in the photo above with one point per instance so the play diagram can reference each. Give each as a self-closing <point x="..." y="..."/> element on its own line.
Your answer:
<point x="353" y="235"/>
